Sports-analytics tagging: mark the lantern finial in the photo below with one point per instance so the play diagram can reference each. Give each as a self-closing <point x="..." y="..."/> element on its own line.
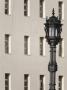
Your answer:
<point x="53" y="12"/>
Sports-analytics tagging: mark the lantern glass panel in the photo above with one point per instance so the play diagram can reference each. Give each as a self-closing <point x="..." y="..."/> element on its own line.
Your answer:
<point x="51" y="32"/>
<point x="56" y="33"/>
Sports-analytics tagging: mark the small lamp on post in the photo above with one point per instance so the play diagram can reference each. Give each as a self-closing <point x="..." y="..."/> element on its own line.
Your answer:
<point x="53" y="28"/>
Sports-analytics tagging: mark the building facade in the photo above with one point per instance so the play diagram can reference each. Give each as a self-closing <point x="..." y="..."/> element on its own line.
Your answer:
<point x="24" y="52"/>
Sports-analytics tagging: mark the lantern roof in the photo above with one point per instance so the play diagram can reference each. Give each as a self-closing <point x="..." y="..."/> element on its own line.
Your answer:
<point x="53" y="20"/>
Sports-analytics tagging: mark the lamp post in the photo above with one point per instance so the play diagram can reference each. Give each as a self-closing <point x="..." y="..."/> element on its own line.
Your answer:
<point x="53" y="28"/>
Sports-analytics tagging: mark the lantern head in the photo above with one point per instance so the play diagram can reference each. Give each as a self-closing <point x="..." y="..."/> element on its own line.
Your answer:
<point x="53" y="28"/>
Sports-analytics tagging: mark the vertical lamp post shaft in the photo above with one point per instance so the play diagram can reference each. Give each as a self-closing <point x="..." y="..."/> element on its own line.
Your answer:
<point x="52" y="67"/>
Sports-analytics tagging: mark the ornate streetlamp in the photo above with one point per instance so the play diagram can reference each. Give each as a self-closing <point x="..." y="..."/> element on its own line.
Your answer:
<point x="53" y="28"/>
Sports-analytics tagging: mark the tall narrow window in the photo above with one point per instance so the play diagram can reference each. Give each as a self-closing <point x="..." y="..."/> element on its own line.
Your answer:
<point x="7" y="44"/>
<point x="42" y="82"/>
<point x="42" y="8"/>
<point x="61" y="48"/>
<point x="7" y="7"/>
<point x="26" y="7"/>
<point x="42" y="46"/>
<point x="61" y="83"/>
<point x="7" y="81"/>
<point x="27" y="45"/>
<point x="26" y="82"/>
<point x="61" y="10"/>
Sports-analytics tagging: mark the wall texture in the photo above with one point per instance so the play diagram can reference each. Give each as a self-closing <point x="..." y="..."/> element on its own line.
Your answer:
<point x="18" y="26"/>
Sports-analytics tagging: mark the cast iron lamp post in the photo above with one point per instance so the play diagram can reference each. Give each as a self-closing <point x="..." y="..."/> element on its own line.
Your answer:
<point x="53" y="28"/>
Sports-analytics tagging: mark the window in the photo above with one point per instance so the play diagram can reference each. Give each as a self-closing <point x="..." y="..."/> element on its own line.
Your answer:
<point x="26" y="7"/>
<point x="26" y="82"/>
<point x="42" y="8"/>
<point x="61" y="83"/>
<point x="7" y="44"/>
<point x="7" y="81"/>
<point x="7" y="7"/>
<point x="61" y="48"/>
<point x="42" y="46"/>
<point x="27" y="45"/>
<point x="42" y="82"/>
<point x="61" y="10"/>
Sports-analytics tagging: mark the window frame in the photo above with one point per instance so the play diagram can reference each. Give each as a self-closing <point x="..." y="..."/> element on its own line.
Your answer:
<point x="26" y="7"/>
<point x="61" y="82"/>
<point x="7" y="81"/>
<point x="7" y="7"/>
<point x="42" y="46"/>
<point x="61" y="48"/>
<point x="26" y="82"/>
<point x="61" y="10"/>
<point x="42" y="82"/>
<point x="7" y="44"/>
<point x="42" y="9"/>
<point x="27" y="45"/>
